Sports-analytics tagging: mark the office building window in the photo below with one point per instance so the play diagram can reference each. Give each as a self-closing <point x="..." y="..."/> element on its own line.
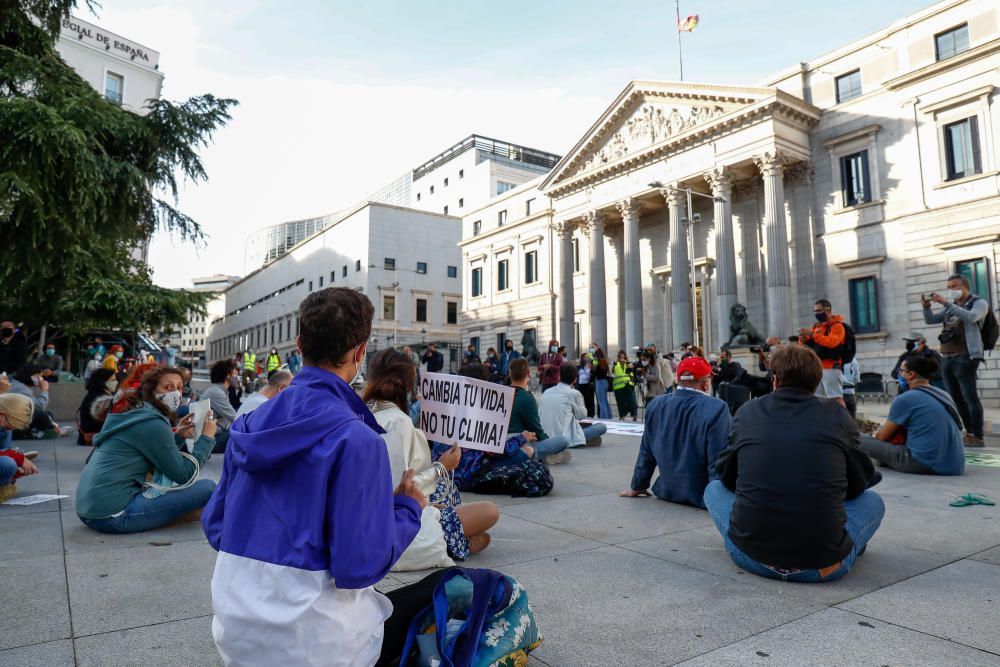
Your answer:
<point x="952" y="42"/>
<point x="530" y="267"/>
<point x="345" y="270"/>
<point x="310" y="286"/>
<point x="418" y="196"/>
<point x="501" y="218"/>
<point x="527" y="206"/>
<point x="452" y="312"/>
<point x="849" y="86"/>
<point x="390" y="263"/>
<point x="333" y="276"/>
<point x="961" y="149"/>
<point x="501" y="342"/>
<point x="388" y="306"/>
<point x="864" y="304"/>
<point x="114" y="87"/>
<point x="453" y="272"/>
<point x="421" y="267"/>
<point x="477" y="226"/>
<point x="446" y="210"/>
<point x="461" y="173"/>
<point x="461" y="202"/>
<point x="576" y="255"/>
<point x="357" y="265"/>
<point x="504" y="187"/>
<point x="421" y="310"/>
<point x="975" y="272"/>
<point x="432" y="189"/>
<point x="477" y="281"/>
<point x="502" y="266"/>
<point x="855" y="179"/>
<point x="446" y="182"/>
<point x="321" y="281"/>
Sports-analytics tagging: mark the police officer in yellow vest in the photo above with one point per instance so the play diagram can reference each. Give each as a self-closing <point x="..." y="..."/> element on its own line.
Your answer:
<point x="273" y="361"/>
<point x="249" y="369"/>
<point x="623" y="385"/>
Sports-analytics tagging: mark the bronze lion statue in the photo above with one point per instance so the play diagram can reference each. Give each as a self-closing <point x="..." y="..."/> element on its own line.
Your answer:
<point x="742" y="331"/>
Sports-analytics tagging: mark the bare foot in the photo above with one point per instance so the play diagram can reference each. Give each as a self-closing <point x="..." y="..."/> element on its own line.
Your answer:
<point x="479" y="542"/>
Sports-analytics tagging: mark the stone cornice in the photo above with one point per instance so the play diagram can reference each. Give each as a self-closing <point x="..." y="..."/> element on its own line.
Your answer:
<point x="850" y="136"/>
<point x="985" y="50"/>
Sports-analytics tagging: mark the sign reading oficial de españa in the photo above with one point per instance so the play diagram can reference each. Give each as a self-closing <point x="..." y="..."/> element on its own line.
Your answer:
<point x="473" y="413"/>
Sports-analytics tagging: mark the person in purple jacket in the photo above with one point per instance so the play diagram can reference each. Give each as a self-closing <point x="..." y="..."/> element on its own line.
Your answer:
<point x="305" y="518"/>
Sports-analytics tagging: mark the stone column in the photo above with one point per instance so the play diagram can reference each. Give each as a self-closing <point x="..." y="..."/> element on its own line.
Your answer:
<point x="598" y="281"/>
<point x="566" y="315"/>
<point x="779" y="270"/>
<point x="618" y="245"/>
<point x="633" y="276"/>
<point x="721" y="183"/>
<point x="682" y="326"/>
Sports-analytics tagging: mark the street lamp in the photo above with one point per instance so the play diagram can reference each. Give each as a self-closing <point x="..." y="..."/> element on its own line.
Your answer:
<point x="690" y="220"/>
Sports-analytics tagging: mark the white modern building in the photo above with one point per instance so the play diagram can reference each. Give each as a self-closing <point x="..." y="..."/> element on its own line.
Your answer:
<point x="126" y="73"/>
<point x="406" y="261"/>
<point x="195" y="332"/>
<point x="866" y="176"/>
<point x="462" y="177"/>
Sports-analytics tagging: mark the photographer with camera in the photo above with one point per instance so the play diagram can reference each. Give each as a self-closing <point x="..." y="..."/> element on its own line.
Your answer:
<point x="962" y="317"/>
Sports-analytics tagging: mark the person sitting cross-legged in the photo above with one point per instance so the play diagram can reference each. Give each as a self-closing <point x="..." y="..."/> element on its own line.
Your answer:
<point x="792" y="499"/>
<point x="524" y="418"/>
<point x="561" y="408"/>
<point x="927" y="422"/>
<point x="684" y="433"/>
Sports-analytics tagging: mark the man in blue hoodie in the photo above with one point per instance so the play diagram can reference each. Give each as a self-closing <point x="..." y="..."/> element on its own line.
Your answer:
<point x="683" y="435"/>
<point x="305" y="518"/>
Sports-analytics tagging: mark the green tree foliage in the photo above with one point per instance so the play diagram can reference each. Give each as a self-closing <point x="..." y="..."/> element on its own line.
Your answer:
<point x="82" y="182"/>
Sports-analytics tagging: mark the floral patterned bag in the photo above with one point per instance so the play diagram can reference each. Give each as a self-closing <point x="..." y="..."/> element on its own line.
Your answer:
<point x="479" y="618"/>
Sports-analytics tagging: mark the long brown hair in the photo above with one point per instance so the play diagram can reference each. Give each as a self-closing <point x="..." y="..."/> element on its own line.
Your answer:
<point x="391" y="377"/>
<point x="146" y="392"/>
<point x="602" y="358"/>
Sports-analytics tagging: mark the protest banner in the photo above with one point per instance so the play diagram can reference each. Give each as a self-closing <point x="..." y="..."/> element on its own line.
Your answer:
<point x="472" y="413"/>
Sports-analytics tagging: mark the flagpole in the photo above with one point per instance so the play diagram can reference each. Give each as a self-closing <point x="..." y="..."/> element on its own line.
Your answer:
<point x="680" y="54"/>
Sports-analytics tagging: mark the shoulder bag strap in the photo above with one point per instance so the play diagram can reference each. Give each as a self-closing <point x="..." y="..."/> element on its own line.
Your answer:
<point x="950" y="408"/>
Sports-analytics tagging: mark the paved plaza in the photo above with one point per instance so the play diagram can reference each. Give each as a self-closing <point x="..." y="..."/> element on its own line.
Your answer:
<point x="613" y="581"/>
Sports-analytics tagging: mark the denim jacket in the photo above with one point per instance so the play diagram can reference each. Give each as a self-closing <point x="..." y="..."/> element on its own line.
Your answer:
<point x="969" y="316"/>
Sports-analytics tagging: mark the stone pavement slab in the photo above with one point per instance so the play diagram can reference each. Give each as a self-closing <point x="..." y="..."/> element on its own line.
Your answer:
<point x="28" y="536"/>
<point x="960" y="602"/>
<point x="77" y="538"/>
<point x="34" y="603"/>
<point x="50" y="654"/>
<point x="988" y="556"/>
<point x="835" y="638"/>
<point x="186" y="643"/>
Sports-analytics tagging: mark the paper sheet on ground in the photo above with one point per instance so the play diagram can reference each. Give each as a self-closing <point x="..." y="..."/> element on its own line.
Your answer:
<point x="619" y="427"/>
<point x="34" y="500"/>
<point x="986" y="459"/>
<point x="199" y="411"/>
<point x="473" y="413"/>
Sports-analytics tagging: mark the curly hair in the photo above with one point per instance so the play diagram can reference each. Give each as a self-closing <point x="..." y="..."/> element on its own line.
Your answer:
<point x="391" y="377"/>
<point x="145" y="394"/>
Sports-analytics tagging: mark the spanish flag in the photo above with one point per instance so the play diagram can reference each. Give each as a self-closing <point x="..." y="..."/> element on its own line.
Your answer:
<point x="688" y="24"/>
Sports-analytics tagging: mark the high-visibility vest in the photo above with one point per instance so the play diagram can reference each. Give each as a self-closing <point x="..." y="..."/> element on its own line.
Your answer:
<point x="621" y="378"/>
<point x="250" y="362"/>
<point x="273" y="362"/>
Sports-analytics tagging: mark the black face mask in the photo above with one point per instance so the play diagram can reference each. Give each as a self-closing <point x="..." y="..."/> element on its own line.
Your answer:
<point x="820" y="317"/>
<point x="910" y="345"/>
<point x="6" y="332"/>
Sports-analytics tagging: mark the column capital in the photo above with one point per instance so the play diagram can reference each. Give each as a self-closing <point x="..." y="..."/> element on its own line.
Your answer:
<point x="720" y="179"/>
<point x="800" y="172"/>
<point x="628" y="207"/>
<point x="594" y="220"/>
<point x="673" y="195"/>
<point x="564" y="229"/>
<point x="770" y="163"/>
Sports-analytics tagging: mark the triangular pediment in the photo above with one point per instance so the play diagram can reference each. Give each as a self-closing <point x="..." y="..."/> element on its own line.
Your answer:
<point x="647" y="114"/>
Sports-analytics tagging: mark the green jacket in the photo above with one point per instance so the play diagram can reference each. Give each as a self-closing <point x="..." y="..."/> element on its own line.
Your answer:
<point x="130" y="445"/>
<point x="524" y="415"/>
<point x="621" y="377"/>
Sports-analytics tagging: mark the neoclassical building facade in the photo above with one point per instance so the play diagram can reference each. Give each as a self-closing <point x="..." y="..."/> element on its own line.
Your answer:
<point x="864" y="176"/>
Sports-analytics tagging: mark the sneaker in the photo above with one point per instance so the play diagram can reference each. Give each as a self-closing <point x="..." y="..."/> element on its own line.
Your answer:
<point x="31" y="456"/>
<point x="594" y="442"/>
<point x="562" y="457"/>
<point x="973" y="441"/>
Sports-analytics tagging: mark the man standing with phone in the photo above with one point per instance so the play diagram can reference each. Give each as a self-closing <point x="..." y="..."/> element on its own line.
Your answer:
<point x="961" y="317"/>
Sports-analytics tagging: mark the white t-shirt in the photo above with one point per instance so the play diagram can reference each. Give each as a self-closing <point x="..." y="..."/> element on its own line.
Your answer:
<point x="251" y="403"/>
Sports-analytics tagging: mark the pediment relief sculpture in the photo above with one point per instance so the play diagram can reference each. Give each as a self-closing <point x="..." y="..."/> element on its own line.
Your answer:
<point x="650" y="124"/>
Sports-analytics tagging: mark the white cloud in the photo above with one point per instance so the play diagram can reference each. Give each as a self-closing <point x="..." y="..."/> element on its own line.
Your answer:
<point x="309" y="143"/>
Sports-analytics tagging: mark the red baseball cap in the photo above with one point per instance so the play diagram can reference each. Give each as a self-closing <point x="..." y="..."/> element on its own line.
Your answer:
<point x="693" y="368"/>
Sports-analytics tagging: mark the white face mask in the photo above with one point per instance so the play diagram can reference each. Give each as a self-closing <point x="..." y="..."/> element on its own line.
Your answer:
<point x="951" y="294"/>
<point x="111" y="385"/>
<point x="171" y="399"/>
<point x="358" y="377"/>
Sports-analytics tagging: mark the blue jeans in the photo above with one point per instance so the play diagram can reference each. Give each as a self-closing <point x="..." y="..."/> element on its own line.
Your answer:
<point x="142" y="513"/>
<point x="960" y="382"/>
<point x="8" y="468"/>
<point x="594" y="431"/>
<point x="603" y="407"/>
<point x="551" y="445"/>
<point x="864" y="515"/>
<point x="6" y="439"/>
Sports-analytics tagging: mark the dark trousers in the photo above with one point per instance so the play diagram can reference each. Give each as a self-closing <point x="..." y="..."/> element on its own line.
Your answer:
<point x="960" y="381"/>
<point x="897" y="457"/>
<point x="851" y="403"/>
<point x="627" y="403"/>
<point x="407" y="602"/>
<point x="588" y="396"/>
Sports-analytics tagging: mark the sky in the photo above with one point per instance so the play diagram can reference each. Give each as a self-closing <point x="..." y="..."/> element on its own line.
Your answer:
<point x="339" y="97"/>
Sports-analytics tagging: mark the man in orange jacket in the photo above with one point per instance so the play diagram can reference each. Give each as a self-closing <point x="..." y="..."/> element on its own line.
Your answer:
<point x="827" y="339"/>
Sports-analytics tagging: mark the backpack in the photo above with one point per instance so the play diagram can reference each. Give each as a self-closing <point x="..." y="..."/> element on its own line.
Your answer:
<point x="849" y="348"/>
<point x="989" y="328"/>
<point x="527" y="479"/>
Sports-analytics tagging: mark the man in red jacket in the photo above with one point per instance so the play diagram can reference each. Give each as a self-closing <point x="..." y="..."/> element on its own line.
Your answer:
<point x="827" y="339"/>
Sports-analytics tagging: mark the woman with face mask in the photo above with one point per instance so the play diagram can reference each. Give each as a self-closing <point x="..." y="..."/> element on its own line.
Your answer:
<point x="90" y="416"/>
<point x="147" y="437"/>
<point x="273" y="361"/>
<point x="16" y="413"/>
